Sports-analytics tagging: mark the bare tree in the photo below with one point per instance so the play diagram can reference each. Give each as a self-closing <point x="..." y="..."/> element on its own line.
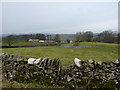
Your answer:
<point x="106" y="36"/>
<point x="57" y="38"/>
<point x="10" y="40"/>
<point x="78" y="37"/>
<point x="88" y="36"/>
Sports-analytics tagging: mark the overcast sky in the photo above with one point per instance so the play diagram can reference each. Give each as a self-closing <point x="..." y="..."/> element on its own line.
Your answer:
<point x="53" y="17"/>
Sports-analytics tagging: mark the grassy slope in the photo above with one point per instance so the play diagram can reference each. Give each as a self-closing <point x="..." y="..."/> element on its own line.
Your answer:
<point x="104" y="52"/>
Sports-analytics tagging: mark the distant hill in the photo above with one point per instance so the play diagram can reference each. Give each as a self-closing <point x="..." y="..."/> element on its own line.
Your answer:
<point x="3" y="35"/>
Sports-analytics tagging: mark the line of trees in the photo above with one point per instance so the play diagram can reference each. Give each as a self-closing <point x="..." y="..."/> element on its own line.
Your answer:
<point x="106" y="36"/>
<point x="84" y="36"/>
<point x="38" y="36"/>
<point x="11" y="39"/>
<point x="88" y="36"/>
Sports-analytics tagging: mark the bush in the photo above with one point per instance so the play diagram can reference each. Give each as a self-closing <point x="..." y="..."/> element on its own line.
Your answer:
<point x="76" y="44"/>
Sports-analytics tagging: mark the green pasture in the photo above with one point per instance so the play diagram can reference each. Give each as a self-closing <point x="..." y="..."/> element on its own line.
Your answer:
<point x="102" y="52"/>
<point x="13" y="84"/>
<point x="24" y="43"/>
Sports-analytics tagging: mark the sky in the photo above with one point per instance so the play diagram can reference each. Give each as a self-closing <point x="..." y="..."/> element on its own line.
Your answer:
<point x="58" y="17"/>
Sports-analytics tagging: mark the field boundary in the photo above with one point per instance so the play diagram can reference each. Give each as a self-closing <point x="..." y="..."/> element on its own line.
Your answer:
<point x="28" y="46"/>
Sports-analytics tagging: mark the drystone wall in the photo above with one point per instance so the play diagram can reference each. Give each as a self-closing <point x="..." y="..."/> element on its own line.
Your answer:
<point x="90" y="74"/>
<point x="17" y="69"/>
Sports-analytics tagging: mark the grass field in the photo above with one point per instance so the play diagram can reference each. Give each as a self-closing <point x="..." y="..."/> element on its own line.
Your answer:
<point x="24" y="43"/>
<point x="103" y="52"/>
<point x="12" y="84"/>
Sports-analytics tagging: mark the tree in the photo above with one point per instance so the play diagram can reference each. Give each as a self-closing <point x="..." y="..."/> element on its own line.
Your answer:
<point x="49" y="37"/>
<point x="87" y="36"/>
<point x="57" y="38"/>
<point x="78" y="37"/>
<point x="40" y="36"/>
<point x="10" y="40"/>
<point x="106" y="36"/>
